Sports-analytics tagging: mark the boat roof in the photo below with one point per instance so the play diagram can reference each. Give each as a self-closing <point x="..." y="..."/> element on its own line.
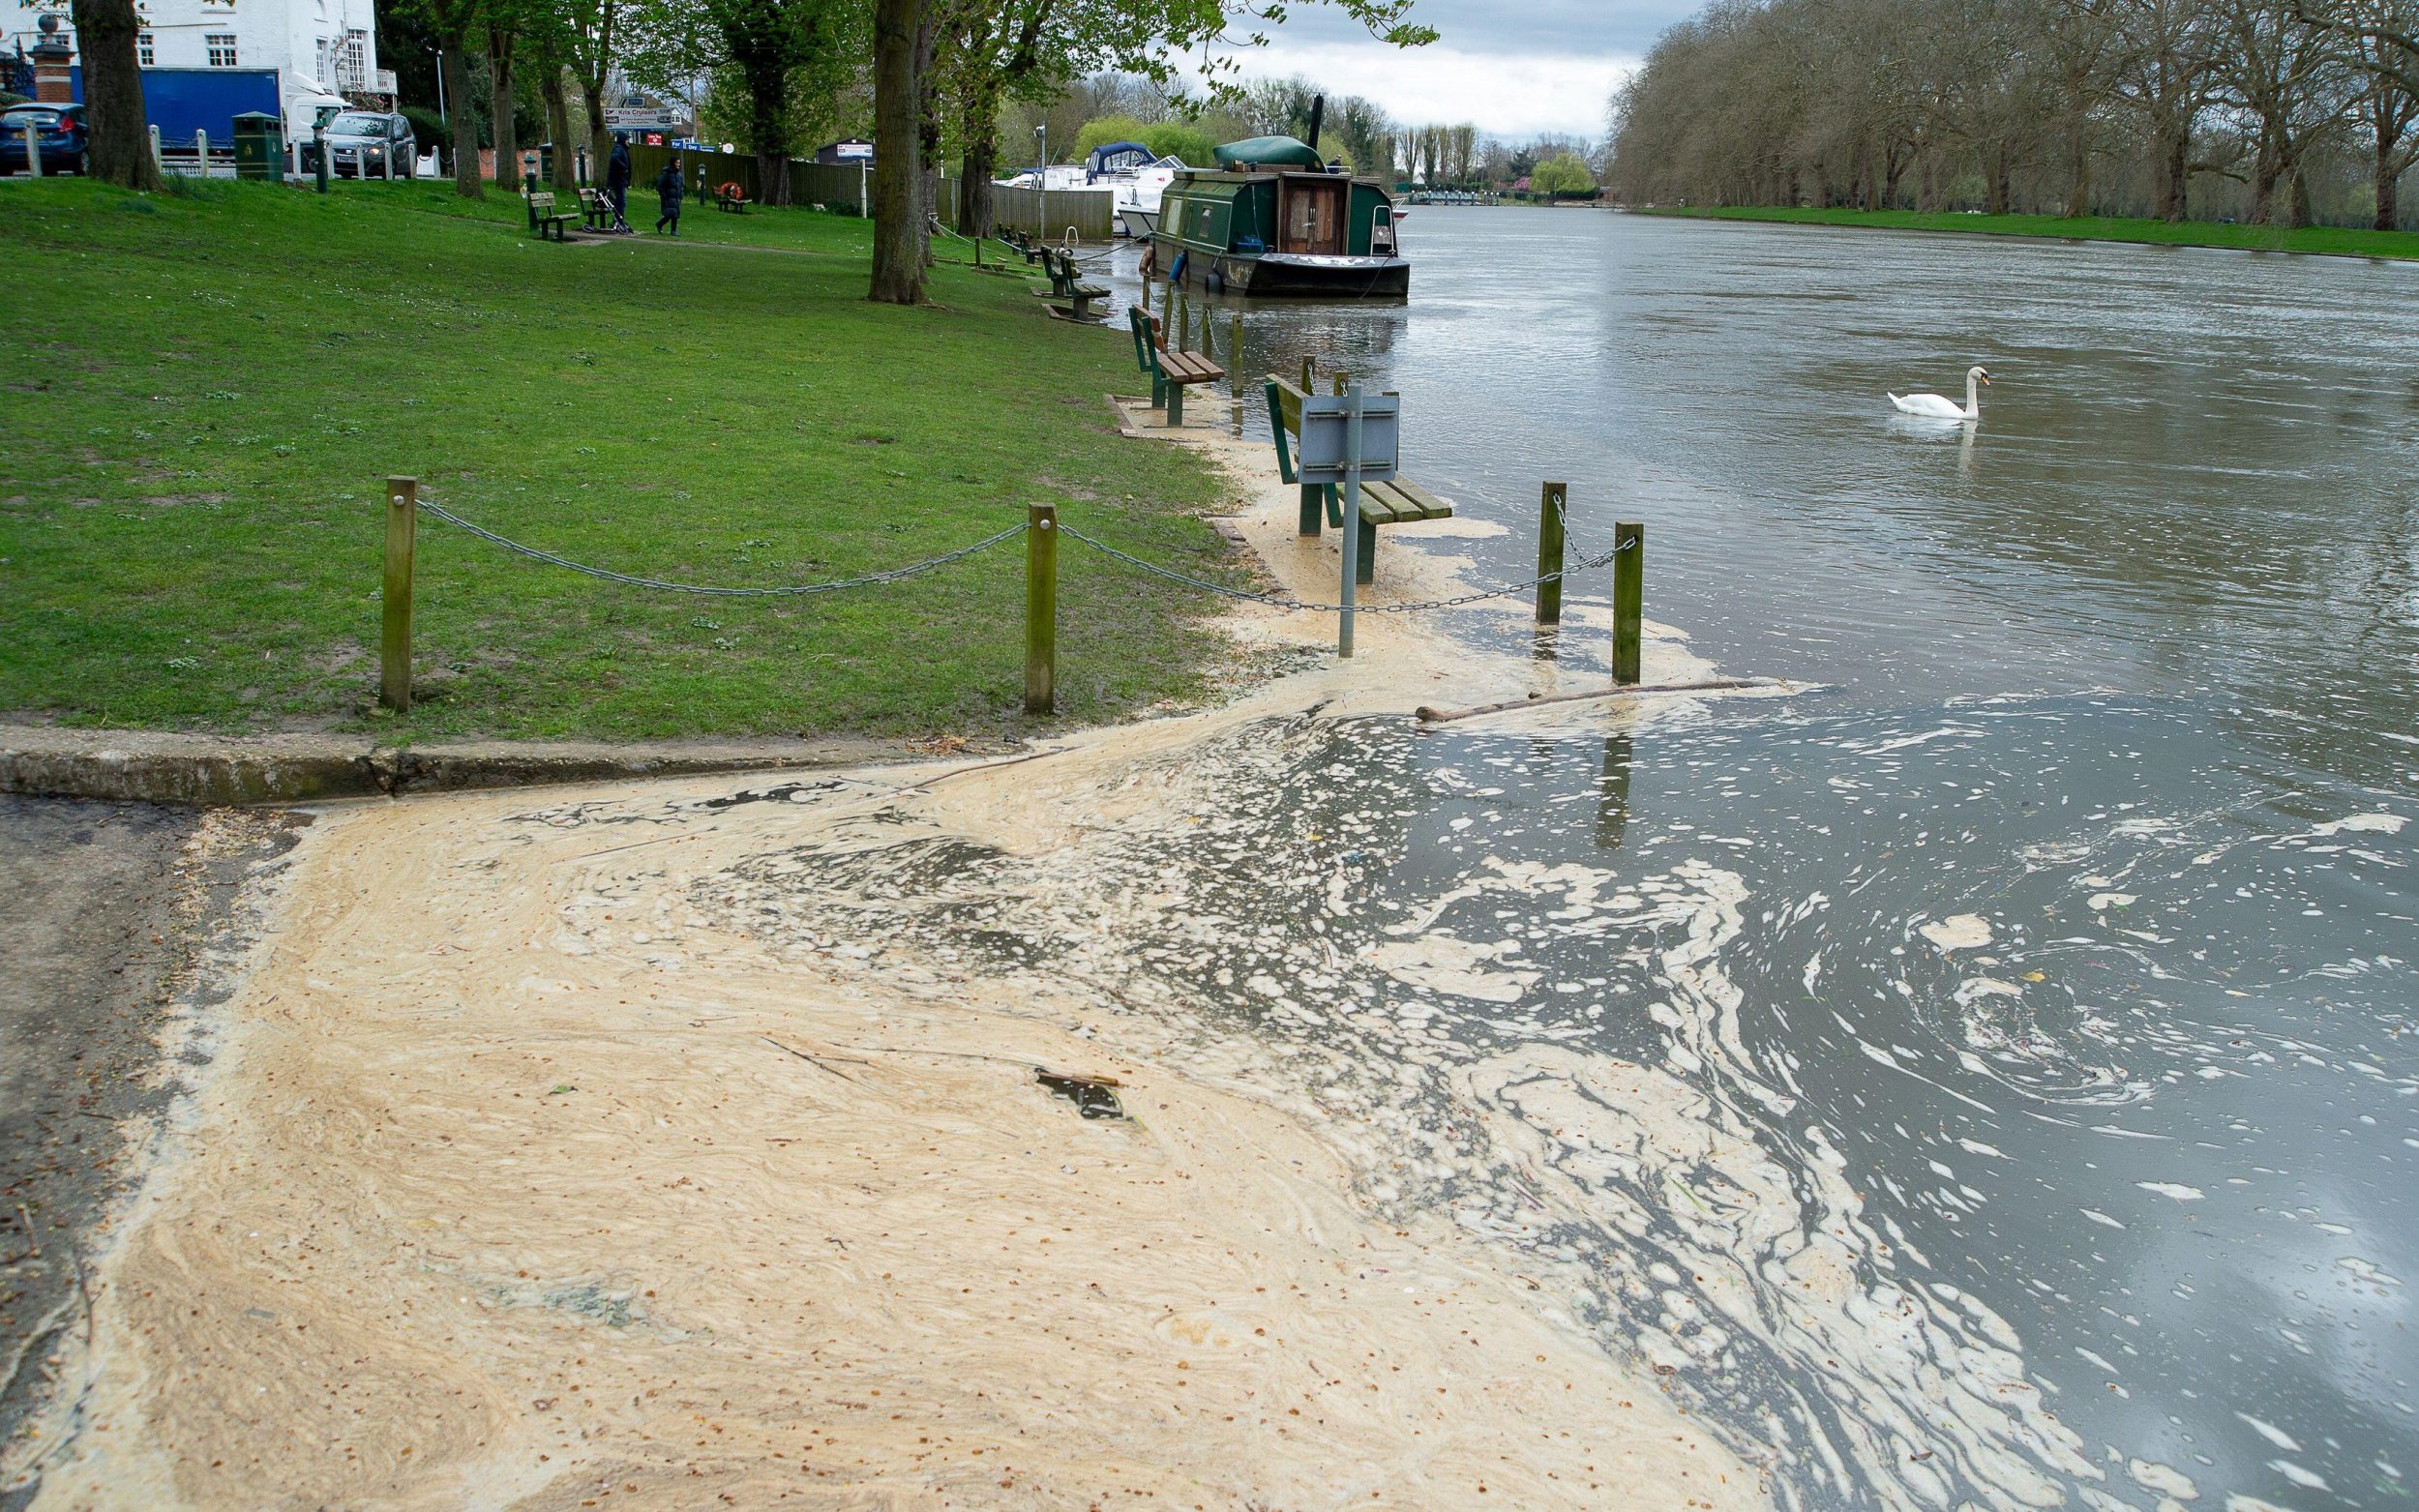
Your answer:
<point x="1100" y="155"/>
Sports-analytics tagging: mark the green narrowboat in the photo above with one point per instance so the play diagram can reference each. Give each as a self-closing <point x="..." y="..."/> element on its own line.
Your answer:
<point x="1271" y="219"/>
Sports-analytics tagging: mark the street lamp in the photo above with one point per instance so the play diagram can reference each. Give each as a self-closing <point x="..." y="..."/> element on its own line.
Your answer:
<point x="1042" y="156"/>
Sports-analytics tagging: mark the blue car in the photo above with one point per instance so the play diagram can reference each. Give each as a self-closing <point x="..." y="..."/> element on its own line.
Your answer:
<point x="58" y="134"/>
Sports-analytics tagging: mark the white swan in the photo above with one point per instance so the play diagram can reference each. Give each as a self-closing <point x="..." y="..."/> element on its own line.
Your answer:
<point x="1938" y="408"/>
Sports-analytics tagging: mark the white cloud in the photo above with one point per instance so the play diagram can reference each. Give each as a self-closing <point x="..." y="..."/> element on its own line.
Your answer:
<point x="1512" y="95"/>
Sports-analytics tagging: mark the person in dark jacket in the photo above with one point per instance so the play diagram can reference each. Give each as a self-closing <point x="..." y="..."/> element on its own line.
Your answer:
<point x="669" y="187"/>
<point x="617" y="182"/>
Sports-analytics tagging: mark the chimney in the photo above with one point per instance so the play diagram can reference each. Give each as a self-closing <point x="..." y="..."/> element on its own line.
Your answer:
<point x="1318" y="113"/>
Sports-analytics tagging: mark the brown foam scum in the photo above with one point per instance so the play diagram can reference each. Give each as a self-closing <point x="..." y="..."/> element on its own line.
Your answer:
<point x="498" y="1201"/>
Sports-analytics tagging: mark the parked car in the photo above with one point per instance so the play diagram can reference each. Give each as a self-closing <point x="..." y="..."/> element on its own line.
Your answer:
<point x="58" y="135"/>
<point x="361" y="143"/>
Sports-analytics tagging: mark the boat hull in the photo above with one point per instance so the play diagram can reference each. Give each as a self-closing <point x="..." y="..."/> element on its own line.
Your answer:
<point x="1138" y="222"/>
<point x="1288" y="275"/>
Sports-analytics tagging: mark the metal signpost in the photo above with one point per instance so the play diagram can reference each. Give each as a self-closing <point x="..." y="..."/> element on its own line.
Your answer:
<point x="1347" y="439"/>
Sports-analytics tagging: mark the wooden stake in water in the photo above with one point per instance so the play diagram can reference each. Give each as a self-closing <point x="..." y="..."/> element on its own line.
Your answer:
<point x="1042" y="608"/>
<point x="1628" y="599"/>
<point x="1352" y="518"/>
<point x="1551" y="552"/>
<point x="402" y="523"/>
<point x="1307" y="376"/>
<point x="1234" y="349"/>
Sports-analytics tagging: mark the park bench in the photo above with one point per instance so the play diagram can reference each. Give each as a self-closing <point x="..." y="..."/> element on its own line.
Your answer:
<point x="596" y="212"/>
<point x="1031" y="249"/>
<point x="1398" y="502"/>
<point x="731" y="197"/>
<point x="544" y="221"/>
<point x="1066" y="282"/>
<point x="1171" y="373"/>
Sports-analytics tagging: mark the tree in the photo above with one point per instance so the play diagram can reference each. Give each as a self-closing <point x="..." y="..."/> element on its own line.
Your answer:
<point x="118" y="139"/>
<point x="1101" y="132"/>
<point x="1564" y="174"/>
<point x="898" y="155"/>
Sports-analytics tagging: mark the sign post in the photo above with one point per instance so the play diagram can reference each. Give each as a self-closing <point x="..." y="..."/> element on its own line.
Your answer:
<point x="1349" y="438"/>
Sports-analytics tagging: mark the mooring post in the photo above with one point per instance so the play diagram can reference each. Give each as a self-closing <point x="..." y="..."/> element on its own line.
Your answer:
<point x="1042" y="608"/>
<point x="1205" y="332"/>
<point x="1629" y="598"/>
<point x="1307" y="371"/>
<point x="1343" y="382"/>
<point x="1234" y="349"/>
<point x="1551" y="552"/>
<point x="1352" y="518"/>
<point x="403" y="522"/>
<point x="1183" y="325"/>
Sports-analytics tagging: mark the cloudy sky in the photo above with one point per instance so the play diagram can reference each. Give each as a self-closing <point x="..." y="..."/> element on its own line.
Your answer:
<point x="1515" y="68"/>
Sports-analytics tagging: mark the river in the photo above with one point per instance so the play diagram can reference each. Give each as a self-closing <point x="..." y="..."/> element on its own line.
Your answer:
<point x="2068" y="933"/>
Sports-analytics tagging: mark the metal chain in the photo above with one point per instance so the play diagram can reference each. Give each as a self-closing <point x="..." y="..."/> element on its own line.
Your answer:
<point x="794" y="591"/>
<point x="1280" y="601"/>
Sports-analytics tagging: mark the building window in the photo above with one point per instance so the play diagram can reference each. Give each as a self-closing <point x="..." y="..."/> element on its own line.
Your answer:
<point x="221" y="46"/>
<point x="143" y="49"/>
<point x="356" y="62"/>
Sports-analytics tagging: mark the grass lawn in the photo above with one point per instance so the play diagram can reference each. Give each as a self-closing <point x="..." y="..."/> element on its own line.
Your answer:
<point x="2325" y="240"/>
<point x="205" y="390"/>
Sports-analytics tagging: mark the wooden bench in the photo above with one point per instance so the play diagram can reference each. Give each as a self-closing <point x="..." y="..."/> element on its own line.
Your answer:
<point x="1397" y="502"/>
<point x="544" y="221"/>
<point x="1066" y="282"/>
<point x="596" y="211"/>
<point x="1024" y="245"/>
<point x="1171" y="372"/>
<point x="732" y="197"/>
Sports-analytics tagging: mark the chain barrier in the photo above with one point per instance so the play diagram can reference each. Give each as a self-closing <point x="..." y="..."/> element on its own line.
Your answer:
<point x="1281" y="601"/>
<point x="793" y="591"/>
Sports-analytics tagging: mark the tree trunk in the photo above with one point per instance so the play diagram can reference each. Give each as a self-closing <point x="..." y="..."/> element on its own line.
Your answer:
<point x="975" y="174"/>
<point x="2389" y="183"/>
<point x="600" y="139"/>
<point x="768" y="125"/>
<point x="2299" y="199"/>
<point x="499" y="63"/>
<point x="118" y="138"/>
<point x="927" y="136"/>
<point x="2174" y="172"/>
<point x="559" y="126"/>
<point x="898" y="246"/>
<point x="1995" y="194"/>
<point x="465" y="126"/>
<point x="2268" y="172"/>
<point x="2077" y="165"/>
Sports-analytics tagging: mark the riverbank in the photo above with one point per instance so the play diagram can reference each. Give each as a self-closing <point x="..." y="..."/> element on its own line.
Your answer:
<point x="217" y="380"/>
<point x="701" y="1152"/>
<point x="2314" y="239"/>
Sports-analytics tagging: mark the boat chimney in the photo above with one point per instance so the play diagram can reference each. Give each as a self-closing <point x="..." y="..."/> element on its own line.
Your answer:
<point x="1318" y="113"/>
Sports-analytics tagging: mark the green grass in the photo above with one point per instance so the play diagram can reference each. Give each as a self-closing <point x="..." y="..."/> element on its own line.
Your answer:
<point x="205" y="390"/>
<point x="2322" y="240"/>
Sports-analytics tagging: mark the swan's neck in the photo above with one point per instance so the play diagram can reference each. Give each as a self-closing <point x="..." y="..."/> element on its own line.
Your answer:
<point x="1973" y="394"/>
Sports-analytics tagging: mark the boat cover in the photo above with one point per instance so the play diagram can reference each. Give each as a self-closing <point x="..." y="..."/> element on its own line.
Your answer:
<point x="1271" y="152"/>
<point x="1098" y="162"/>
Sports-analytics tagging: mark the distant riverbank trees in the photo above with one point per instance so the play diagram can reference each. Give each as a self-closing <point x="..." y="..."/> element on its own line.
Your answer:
<point x="2280" y="112"/>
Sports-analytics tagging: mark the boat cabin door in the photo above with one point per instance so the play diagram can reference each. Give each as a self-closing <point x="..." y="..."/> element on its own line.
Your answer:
<point x="1312" y="219"/>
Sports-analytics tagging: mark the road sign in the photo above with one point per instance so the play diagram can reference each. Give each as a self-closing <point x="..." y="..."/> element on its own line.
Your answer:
<point x="641" y="118"/>
<point x="1323" y="437"/>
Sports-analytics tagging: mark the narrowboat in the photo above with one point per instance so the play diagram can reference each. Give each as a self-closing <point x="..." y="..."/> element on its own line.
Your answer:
<point x="1271" y="219"/>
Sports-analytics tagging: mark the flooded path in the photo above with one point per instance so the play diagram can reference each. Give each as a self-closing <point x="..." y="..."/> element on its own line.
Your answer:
<point x="1986" y="1083"/>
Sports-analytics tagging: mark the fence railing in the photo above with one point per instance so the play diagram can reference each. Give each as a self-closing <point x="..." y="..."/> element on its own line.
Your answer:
<point x="846" y="187"/>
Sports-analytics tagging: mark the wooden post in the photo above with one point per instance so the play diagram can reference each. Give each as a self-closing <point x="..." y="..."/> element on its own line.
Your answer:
<point x="1343" y="382"/>
<point x="1307" y="370"/>
<point x="1204" y="331"/>
<point x="1042" y="608"/>
<point x="1629" y="598"/>
<point x="403" y="521"/>
<point x="1183" y="325"/>
<point x="1551" y="552"/>
<point x="1235" y="350"/>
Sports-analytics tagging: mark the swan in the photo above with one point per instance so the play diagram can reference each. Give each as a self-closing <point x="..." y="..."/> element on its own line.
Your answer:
<point x="1938" y="408"/>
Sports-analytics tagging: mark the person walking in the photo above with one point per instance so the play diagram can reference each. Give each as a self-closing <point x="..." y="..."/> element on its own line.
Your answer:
<point x="669" y="187"/>
<point x="617" y="182"/>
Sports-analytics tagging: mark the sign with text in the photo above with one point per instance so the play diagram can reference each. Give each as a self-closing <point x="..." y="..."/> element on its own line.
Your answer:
<point x="1323" y="431"/>
<point x="643" y="118"/>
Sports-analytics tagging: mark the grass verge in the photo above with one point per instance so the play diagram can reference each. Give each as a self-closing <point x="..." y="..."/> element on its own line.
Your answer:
<point x="2318" y="240"/>
<point x="206" y="388"/>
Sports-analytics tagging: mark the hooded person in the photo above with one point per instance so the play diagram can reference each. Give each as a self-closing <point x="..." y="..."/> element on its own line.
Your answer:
<point x="669" y="188"/>
<point x="617" y="180"/>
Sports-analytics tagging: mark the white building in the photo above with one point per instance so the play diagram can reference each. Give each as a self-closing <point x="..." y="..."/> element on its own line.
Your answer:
<point x="322" y="51"/>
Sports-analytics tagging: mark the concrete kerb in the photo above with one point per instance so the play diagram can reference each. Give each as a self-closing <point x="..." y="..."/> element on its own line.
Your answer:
<point x="150" y="766"/>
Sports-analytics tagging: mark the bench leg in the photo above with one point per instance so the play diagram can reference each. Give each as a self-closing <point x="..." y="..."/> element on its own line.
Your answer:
<point x="1310" y="510"/>
<point x="1365" y="570"/>
<point x="1083" y="308"/>
<point x="1277" y="433"/>
<point x="1334" y="492"/>
<point x="1176" y="403"/>
<point x="1158" y="391"/>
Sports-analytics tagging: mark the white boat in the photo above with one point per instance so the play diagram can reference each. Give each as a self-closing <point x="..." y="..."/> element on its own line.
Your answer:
<point x="1135" y="221"/>
<point x="1126" y="169"/>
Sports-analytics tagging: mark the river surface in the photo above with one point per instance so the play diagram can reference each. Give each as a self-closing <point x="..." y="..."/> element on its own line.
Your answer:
<point x="2035" y="1103"/>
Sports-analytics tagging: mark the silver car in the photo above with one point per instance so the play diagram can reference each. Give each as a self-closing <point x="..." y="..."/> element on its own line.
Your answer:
<point x="371" y="144"/>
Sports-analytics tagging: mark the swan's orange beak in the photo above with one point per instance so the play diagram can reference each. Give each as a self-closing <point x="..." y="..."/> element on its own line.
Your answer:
<point x="1985" y="380"/>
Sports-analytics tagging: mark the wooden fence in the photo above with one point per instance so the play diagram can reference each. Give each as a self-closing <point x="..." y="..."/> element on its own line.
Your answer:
<point x="1093" y="212"/>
